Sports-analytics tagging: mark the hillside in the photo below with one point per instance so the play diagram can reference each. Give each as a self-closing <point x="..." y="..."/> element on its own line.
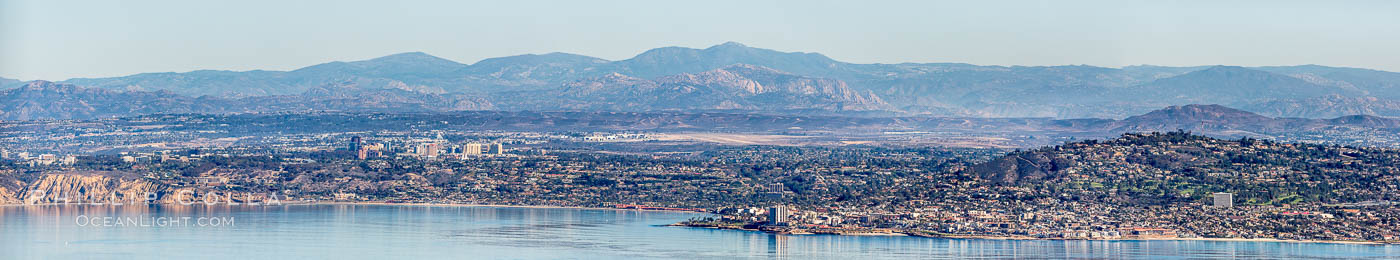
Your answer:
<point x="1279" y="190"/>
<point x="48" y="100"/>
<point x="1158" y="168"/>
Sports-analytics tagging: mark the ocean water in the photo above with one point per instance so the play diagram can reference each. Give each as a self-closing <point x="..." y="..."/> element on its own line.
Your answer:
<point x="462" y="232"/>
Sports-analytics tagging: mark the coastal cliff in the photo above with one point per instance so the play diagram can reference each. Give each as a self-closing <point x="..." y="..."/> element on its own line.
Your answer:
<point x="90" y="187"/>
<point x="7" y="196"/>
<point x="10" y="188"/>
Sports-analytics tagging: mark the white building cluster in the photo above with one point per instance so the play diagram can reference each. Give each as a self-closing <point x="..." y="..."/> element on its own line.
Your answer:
<point x="427" y="148"/>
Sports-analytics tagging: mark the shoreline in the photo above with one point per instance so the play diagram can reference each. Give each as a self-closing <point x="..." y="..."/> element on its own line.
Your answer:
<point x="380" y="203"/>
<point x="373" y="203"/>
<point x="982" y="237"/>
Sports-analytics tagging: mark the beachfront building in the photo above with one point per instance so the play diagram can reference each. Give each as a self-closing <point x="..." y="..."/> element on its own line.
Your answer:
<point x="778" y="215"/>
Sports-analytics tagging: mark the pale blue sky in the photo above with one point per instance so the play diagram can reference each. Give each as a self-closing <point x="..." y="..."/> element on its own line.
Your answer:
<point x="59" y="39"/>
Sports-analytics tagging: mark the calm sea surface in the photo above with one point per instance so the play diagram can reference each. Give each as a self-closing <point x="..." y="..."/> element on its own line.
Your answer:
<point x="427" y="232"/>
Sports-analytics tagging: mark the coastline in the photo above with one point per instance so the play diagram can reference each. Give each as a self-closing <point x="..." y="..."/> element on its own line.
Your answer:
<point x="1211" y="239"/>
<point x="738" y="228"/>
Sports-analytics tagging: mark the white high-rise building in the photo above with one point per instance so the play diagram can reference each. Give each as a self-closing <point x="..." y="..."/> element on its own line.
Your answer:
<point x="1224" y="199"/>
<point x="471" y="149"/>
<point x="778" y="215"/>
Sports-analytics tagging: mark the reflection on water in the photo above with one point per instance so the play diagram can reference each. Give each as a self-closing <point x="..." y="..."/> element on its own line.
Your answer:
<point x="777" y="245"/>
<point x="375" y="232"/>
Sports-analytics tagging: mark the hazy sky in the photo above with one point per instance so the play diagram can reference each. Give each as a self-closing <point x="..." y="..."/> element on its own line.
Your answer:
<point x="60" y="39"/>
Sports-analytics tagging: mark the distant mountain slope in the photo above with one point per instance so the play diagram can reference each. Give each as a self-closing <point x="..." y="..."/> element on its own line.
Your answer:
<point x="1219" y="120"/>
<point x="1231" y="85"/>
<point x="350" y="97"/>
<point x="995" y="91"/>
<point x="1383" y="84"/>
<point x="48" y="100"/>
<point x="530" y="71"/>
<point x="744" y="89"/>
<point x="198" y="83"/>
<point x="677" y="60"/>
<point x="409" y="68"/>
<point x="1326" y="107"/>
<point x="736" y="87"/>
<point x="413" y="68"/>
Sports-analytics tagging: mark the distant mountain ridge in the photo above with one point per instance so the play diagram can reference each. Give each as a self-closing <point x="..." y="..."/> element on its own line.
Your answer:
<point x="1327" y="106"/>
<point x="1237" y="85"/>
<point x="49" y="100"/>
<point x="1219" y="120"/>
<point x="8" y="81"/>
<point x="939" y="89"/>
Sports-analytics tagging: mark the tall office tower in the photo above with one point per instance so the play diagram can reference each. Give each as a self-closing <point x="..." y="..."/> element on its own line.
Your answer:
<point x="355" y="143"/>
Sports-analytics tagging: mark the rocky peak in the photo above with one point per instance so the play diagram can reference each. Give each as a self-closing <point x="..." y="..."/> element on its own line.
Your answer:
<point x="721" y="78"/>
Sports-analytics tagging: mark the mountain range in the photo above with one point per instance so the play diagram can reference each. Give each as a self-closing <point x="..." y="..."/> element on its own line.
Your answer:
<point x="738" y="78"/>
<point x="590" y="105"/>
